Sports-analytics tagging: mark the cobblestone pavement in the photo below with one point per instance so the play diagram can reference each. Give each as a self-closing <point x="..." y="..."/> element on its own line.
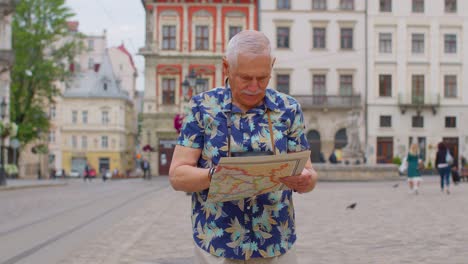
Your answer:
<point x="388" y="225"/>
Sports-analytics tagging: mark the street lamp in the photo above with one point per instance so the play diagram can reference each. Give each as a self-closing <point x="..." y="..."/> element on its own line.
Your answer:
<point x="3" y="111"/>
<point x="192" y="83"/>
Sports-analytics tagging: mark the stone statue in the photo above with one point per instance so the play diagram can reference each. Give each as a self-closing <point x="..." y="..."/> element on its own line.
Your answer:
<point x="353" y="148"/>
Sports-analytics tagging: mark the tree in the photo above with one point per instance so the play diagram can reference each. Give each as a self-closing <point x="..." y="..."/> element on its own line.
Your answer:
<point x="43" y="47"/>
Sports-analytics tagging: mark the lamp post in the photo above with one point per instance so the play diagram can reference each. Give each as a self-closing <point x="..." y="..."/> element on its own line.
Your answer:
<point x="192" y="83"/>
<point x="3" y="109"/>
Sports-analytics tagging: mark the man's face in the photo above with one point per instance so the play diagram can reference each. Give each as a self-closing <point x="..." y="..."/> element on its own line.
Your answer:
<point x="249" y="79"/>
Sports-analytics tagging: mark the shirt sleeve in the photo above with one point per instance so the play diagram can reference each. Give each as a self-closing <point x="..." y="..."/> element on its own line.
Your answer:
<point x="192" y="131"/>
<point x="297" y="140"/>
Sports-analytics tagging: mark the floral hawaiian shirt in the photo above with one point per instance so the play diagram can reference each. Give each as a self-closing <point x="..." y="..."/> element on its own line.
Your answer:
<point x="258" y="227"/>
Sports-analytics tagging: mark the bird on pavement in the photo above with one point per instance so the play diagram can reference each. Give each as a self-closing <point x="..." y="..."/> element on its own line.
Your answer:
<point x="351" y="206"/>
<point x="395" y="185"/>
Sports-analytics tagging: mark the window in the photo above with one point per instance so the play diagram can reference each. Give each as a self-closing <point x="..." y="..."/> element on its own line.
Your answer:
<point x="74" y="116"/>
<point x="90" y="44"/>
<point x="104" y="86"/>
<point x="346" y="85"/>
<point x="450" y="6"/>
<point x="450" y="43"/>
<point x="84" y="142"/>
<point x="282" y="83"/>
<point x="233" y="30"/>
<point x="385" y="6"/>
<point x="319" y="88"/>
<point x="52" y="112"/>
<point x="450" y="86"/>
<point x="51" y="136"/>
<point x="168" y="90"/>
<point x="319" y="4"/>
<point x="346" y="38"/>
<point x="417" y="43"/>
<point x="104" y="142"/>
<point x="283" y="4"/>
<point x="385" y="42"/>
<point x="451" y="121"/>
<point x="91" y="64"/>
<point x="417" y="91"/>
<point x="84" y="117"/>
<point x="385" y="85"/>
<point x="347" y="4"/>
<point x="319" y="35"/>
<point x="282" y="37"/>
<point x="169" y="37"/>
<point x="418" y="6"/>
<point x="386" y="121"/>
<point x="105" y="117"/>
<point x="201" y="38"/>
<point x="418" y="121"/>
<point x="74" y="142"/>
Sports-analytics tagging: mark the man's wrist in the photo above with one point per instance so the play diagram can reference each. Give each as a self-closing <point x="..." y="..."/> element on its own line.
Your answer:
<point x="211" y="171"/>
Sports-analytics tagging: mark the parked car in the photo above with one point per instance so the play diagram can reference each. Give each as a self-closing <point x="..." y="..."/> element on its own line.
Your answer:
<point x="74" y="174"/>
<point x="92" y="173"/>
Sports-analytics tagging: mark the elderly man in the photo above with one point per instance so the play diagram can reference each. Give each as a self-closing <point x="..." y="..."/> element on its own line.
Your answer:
<point x="234" y="120"/>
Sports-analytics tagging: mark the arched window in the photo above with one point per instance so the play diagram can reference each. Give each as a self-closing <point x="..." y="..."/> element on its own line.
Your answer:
<point x="341" y="139"/>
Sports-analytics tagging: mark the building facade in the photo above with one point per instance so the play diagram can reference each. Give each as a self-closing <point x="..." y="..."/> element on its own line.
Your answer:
<point x="416" y="82"/>
<point x="98" y="122"/>
<point x="183" y="38"/>
<point x="320" y="60"/>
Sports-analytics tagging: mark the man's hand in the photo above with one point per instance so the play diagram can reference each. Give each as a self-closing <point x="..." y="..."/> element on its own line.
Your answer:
<point x="302" y="183"/>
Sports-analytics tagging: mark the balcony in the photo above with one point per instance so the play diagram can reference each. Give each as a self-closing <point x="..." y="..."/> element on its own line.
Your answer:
<point x="343" y="102"/>
<point x="419" y="103"/>
<point x="7" y="6"/>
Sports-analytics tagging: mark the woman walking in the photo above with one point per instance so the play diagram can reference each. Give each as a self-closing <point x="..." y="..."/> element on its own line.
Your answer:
<point x="414" y="175"/>
<point x="443" y="167"/>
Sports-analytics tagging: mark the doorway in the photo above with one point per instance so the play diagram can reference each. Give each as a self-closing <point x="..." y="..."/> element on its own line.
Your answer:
<point x="166" y="149"/>
<point x="313" y="137"/>
<point x="384" y="149"/>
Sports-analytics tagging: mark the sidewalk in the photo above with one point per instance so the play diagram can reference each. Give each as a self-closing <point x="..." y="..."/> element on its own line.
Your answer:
<point x="14" y="184"/>
<point x="388" y="225"/>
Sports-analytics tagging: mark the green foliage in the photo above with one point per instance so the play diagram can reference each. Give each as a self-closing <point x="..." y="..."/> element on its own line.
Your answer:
<point x="43" y="48"/>
<point x="429" y="165"/>
<point x="11" y="169"/>
<point x="396" y="160"/>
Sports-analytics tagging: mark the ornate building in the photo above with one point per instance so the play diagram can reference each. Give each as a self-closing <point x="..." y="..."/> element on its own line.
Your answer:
<point x="183" y="39"/>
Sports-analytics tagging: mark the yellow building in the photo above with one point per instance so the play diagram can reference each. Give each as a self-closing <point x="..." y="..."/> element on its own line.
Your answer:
<point x="98" y="122"/>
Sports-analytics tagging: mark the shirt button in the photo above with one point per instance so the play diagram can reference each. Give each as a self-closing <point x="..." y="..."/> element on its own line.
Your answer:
<point x="248" y="207"/>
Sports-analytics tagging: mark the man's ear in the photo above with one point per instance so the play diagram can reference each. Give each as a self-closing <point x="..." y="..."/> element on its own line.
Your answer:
<point x="225" y="66"/>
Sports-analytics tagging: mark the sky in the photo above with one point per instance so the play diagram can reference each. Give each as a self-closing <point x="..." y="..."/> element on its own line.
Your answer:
<point x="124" y="21"/>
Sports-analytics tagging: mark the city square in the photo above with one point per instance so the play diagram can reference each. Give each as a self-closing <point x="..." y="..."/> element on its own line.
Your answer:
<point x="388" y="225"/>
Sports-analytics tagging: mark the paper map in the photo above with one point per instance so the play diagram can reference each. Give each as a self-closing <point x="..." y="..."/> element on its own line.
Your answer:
<point x="241" y="177"/>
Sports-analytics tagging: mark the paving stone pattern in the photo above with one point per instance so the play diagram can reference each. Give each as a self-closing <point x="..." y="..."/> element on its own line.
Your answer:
<point x="388" y="225"/>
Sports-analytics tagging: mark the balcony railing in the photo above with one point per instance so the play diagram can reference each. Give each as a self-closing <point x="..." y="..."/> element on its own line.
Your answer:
<point x="329" y="101"/>
<point x="420" y="102"/>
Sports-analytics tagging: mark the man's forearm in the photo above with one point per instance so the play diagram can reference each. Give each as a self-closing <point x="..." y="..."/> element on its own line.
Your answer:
<point x="189" y="179"/>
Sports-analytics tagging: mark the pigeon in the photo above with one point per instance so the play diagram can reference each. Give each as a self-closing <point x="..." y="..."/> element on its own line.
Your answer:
<point x="351" y="206"/>
<point x="395" y="185"/>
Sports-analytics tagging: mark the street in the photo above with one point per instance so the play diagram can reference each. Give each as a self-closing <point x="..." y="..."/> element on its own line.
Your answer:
<point x="134" y="221"/>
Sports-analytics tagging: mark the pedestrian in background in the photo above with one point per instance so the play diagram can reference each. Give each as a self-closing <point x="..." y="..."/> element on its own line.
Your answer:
<point x="442" y="164"/>
<point x="259" y="229"/>
<point x="145" y="166"/>
<point x="87" y="171"/>
<point x="414" y="163"/>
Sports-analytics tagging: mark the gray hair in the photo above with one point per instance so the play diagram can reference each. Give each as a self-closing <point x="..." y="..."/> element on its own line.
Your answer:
<point x="249" y="42"/>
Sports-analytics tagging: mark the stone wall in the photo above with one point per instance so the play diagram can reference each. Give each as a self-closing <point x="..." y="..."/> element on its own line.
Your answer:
<point x="341" y="172"/>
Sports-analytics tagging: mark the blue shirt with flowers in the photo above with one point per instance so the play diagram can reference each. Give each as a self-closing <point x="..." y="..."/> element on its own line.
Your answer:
<point x="257" y="227"/>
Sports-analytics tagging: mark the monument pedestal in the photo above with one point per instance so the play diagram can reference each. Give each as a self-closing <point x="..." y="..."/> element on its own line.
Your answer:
<point x="361" y="172"/>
